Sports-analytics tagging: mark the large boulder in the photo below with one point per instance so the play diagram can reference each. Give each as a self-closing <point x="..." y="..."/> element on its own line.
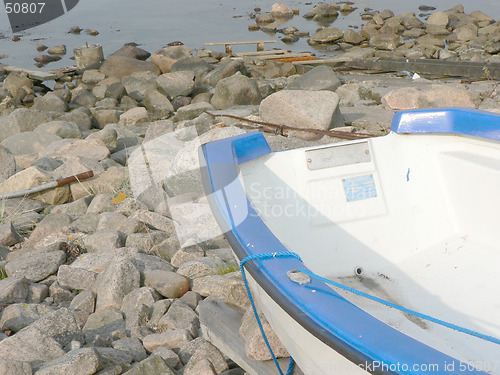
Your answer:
<point x="7" y="164"/>
<point x="326" y="36"/>
<point x="29" y="142"/>
<point x="23" y="120"/>
<point x="236" y="90"/>
<point x="16" y="82"/>
<point x="225" y="70"/>
<point x="318" y="78"/>
<point x="388" y="42"/>
<point x="168" y="56"/>
<point x="176" y="83"/>
<point x="122" y="66"/>
<point x="303" y="109"/>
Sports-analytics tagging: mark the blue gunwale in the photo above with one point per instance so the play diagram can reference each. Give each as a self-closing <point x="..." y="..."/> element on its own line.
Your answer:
<point x="338" y="323"/>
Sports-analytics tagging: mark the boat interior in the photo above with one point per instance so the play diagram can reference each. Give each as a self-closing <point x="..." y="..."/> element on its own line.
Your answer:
<point x="410" y="218"/>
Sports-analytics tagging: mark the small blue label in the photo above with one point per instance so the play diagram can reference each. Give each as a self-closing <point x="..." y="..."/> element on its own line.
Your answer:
<point x="359" y="187"/>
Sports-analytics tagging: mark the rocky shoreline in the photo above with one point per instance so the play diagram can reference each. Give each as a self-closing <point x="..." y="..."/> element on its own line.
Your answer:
<point x="104" y="276"/>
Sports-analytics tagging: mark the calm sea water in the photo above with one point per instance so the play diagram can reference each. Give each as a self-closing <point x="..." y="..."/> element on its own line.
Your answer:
<point x="154" y="23"/>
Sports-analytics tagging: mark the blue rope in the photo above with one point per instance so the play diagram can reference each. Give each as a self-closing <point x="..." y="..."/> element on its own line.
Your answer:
<point x="281" y="254"/>
<point x="403" y="309"/>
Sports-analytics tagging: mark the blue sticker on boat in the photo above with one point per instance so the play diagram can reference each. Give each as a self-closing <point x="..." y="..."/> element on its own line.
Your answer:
<point x="359" y="187"/>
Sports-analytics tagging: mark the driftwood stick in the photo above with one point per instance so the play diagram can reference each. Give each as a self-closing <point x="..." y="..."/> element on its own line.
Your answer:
<point x="48" y="185"/>
<point x="280" y="128"/>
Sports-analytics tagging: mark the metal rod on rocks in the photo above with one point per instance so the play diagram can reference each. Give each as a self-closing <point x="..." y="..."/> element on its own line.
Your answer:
<point x="280" y="128"/>
<point x="48" y="185"/>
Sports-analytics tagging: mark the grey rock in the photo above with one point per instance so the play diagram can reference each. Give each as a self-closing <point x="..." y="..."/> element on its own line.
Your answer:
<point x="118" y="279"/>
<point x="199" y="366"/>
<point x="59" y="325"/>
<point x="104" y="325"/>
<point x="104" y="240"/>
<point x="59" y="294"/>
<point x="77" y="117"/>
<point x="107" y="116"/>
<point x="180" y="316"/>
<point x="235" y="90"/>
<point x="145" y="263"/>
<point x="186" y="254"/>
<point x="101" y="203"/>
<point x="92" y="77"/>
<point x="50" y="102"/>
<point x="85" y="223"/>
<point x="37" y="293"/>
<point x="303" y="109"/>
<point x="36" y="267"/>
<point x="323" y="10"/>
<point x="29" y="142"/>
<point x="154" y="221"/>
<point x="122" y="66"/>
<point x="152" y="365"/>
<point x="168" y="56"/>
<point x="229" y="288"/>
<point x="111" y="220"/>
<point x="200" y="349"/>
<point x="157" y="104"/>
<point x="76" y="278"/>
<point x="169" y="356"/>
<point x="8" y="235"/>
<point x="132" y="346"/>
<point x="176" y="83"/>
<point x="201" y="267"/>
<point x="107" y="103"/>
<point x="7" y="164"/>
<point x="62" y="129"/>
<point x="173" y="340"/>
<point x="113" y="357"/>
<point x="157" y="310"/>
<point x="191" y="299"/>
<point x="84" y="98"/>
<point x="136" y="87"/>
<point x="224" y="70"/>
<point x="108" y="136"/>
<point x="168" y="284"/>
<point x="11" y="367"/>
<point x="115" y="91"/>
<point x="14" y="82"/>
<point x="132" y="305"/>
<point x="49" y="224"/>
<point x="193" y="64"/>
<point x="192" y="111"/>
<point x="157" y="129"/>
<point x="17" y="316"/>
<point x="84" y="301"/>
<point x="84" y="361"/>
<point x="318" y="78"/>
<point x="23" y="120"/>
<point x="352" y="37"/>
<point x="145" y="241"/>
<point x="75" y="208"/>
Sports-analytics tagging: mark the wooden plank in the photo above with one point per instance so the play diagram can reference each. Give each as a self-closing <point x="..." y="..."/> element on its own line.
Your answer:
<point x="468" y="69"/>
<point x="262" y="53"/>
<point x="39" y="75"/>
<point x="292" y="59"/>
<point x="240" y="42"/>
<point x="282" y="56"/>
<point x="220" y="325"/>
<point x="321" y="62"/>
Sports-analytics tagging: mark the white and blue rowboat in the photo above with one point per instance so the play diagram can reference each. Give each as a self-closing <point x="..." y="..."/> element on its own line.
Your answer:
<point x="412" y="218"/>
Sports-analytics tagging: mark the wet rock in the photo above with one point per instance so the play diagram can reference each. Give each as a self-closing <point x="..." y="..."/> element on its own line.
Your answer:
<point x="229" y="288"/>
<point x="168" y="56"/>
<point x="255" y="347"/>
<point x="32" y="177"/>
<point x="168" y="284"/>
<point x="388" y="42"/>
<point x="122" y="66"/>
<point x="279" y="10"/>
<point x="57" y="50"/>
<point x="179" y="316"/>
<point x="198" y="350"/>
<point x="318" y="78"/>
<point x="323" y="10"/>
<point x="176" y="83"/>
<point x="173" y="339"/>
<point x="117" y="280"/>
<point x="132" y="51"/>
<point x="324" y="36"/>
<point x="352" y="37"/>
<point x="264" y="18"/>
<point x="235" y="90"/>
<point x="35" y="267"/>
<point x="151" y="366"/>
